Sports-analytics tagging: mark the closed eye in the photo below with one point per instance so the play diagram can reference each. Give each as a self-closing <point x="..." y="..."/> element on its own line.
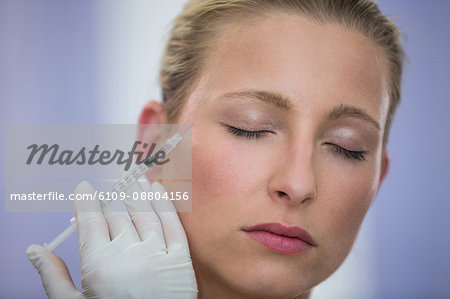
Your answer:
<point x="246" y="133"/>
<point x="348" y="154"/>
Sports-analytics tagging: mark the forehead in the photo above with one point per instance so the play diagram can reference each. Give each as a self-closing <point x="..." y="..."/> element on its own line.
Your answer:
<point x="307" y="61"/>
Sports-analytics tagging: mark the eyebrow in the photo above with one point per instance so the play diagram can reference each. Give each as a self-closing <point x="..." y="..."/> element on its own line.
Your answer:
<point x="283" y="103"/>
<point x="269" y="97"/>
<point x="345" y="110"/>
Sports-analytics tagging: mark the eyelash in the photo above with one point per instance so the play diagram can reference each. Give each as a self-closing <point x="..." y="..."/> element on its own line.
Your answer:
<point x="358" y="156"/>
<point x="247" y="134"/>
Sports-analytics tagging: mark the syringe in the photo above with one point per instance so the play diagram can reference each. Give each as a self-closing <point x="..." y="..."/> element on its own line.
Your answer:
<point x="120" y="186"/>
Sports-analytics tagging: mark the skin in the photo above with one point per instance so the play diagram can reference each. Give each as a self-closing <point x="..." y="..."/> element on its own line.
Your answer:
<point x="293" y="174"/>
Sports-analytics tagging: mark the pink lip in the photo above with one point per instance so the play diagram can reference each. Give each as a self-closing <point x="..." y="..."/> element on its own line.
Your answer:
<point x="281" y="238"/>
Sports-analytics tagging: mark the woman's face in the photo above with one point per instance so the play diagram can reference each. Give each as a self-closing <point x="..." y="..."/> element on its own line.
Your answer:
<point x="288" y="121"/>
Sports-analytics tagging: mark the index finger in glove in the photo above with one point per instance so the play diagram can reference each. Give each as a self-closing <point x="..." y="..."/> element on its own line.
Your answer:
<point x="173" y="229"/>
<point x="143" y="216"/>
<point x="92" y="227"/>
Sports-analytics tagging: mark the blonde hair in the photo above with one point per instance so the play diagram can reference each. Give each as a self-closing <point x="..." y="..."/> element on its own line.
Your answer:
<point x="194" y="30"/>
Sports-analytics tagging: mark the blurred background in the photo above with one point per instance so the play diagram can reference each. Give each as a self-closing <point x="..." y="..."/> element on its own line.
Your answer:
<point x="96" y="61"/>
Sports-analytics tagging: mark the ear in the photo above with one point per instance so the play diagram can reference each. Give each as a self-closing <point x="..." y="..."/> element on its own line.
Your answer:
<point x="384" y="170"/>
<point x="153" y="113"/>
<point x="384" y="166"/>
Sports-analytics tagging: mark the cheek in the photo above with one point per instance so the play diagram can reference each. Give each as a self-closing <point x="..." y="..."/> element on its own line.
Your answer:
<point x="355" y="201"/>
<point x="345" y="201"/>
<point x="225" y="172"/>
<point x="215" y="174"/>
<point x="221" y="180"/>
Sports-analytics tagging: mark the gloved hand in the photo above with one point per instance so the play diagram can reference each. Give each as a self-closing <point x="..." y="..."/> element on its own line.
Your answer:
<point x="145" y="257"/>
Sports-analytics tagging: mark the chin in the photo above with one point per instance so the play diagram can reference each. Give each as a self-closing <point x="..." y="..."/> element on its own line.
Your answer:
<point x="272" y="280"/>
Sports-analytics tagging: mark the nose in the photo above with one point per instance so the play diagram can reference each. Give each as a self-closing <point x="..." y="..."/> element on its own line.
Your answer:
<point x="293" y="180"/>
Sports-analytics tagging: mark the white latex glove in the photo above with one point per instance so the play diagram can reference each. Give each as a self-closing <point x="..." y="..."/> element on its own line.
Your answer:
<point x="145" y="257"/>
